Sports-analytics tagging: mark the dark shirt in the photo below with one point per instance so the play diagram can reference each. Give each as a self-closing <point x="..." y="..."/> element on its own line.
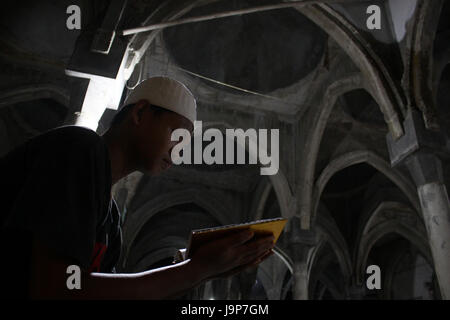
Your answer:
<point x="57" y="187"/>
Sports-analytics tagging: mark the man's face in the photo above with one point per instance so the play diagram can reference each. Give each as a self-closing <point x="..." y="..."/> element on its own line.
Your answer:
<point x="153" y="138"/>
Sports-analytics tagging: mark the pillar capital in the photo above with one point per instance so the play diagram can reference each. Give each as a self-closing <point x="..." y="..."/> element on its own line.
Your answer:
<point x="300" y="240"/>
<point x="425" y="168"/>
<point x="416" y="138"/>
<point x="298" y="235"/>
<point x="300" y="243"/>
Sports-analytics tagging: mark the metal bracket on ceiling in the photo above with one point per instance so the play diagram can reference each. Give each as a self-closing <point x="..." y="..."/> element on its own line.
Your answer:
<point x="104" y="36"/>
<point x="218" y="15"/>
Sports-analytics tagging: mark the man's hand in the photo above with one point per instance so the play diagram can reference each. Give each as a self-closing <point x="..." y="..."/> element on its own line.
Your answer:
<point x="225" y="256"/>
<point x="242" y="268"/>
<point x="231" y="254"/>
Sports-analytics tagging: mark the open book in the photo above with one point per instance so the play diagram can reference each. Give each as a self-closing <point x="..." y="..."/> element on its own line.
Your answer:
<point x="200" y="236"/>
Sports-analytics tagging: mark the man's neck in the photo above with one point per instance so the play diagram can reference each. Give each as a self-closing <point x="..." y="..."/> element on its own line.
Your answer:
<point x="118" y="154"/>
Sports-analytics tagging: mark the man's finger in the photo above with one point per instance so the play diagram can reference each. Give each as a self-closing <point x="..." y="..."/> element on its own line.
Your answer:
<point x="238" y="238"/>
<point x="265" y="256"/>
<point x="256" y="246"/>
<point x="257" y="256"/>
<point x="252" y="264"/>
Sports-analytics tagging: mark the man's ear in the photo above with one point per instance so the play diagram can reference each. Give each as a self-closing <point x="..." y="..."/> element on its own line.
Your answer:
<point x="138" y="111"/>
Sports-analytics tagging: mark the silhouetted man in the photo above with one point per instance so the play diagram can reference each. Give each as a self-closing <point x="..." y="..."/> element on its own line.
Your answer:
<point x="58" y="210"/>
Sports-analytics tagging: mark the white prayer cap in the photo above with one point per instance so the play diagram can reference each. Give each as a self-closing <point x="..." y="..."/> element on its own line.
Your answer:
<point x="166" y="93"/>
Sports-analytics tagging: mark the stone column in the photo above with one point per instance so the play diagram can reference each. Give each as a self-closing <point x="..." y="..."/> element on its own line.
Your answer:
<point x="426" y="170"/>
<point x="300" y="243"/>
<point x="419" y="150"/>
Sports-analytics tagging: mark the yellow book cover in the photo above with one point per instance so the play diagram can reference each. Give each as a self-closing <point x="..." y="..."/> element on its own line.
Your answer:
<point x="267" y="226"/>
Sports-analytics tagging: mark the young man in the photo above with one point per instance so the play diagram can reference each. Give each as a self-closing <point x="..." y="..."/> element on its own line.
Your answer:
<point x="58" y="210"/>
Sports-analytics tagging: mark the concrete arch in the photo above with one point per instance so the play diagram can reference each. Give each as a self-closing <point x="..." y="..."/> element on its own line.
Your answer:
<point x="384" y="89"/>
<point x="379" y="232"/>
<point x="285" y="258"/>
<point x="314" y="137"/>
<point x="330" y="234"/>
<point x="363" y="156"/>
<point x="330" y="282"/>
<point x="373" y="214"/>
<point x="373" y="227"/>
<point x="279" y="182"/>
<point x="204" y="199"/>
<point x="271" y="274"/>
<point x="423" y="36"/>
<point x="439" y="68"/>
<point x="34" y="92"/>
<point x="379" y="82"/>
<point x="140" y="42"/>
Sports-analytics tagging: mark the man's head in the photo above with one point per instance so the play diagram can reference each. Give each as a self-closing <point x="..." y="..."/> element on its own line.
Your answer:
<point x="155" y="108"/>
